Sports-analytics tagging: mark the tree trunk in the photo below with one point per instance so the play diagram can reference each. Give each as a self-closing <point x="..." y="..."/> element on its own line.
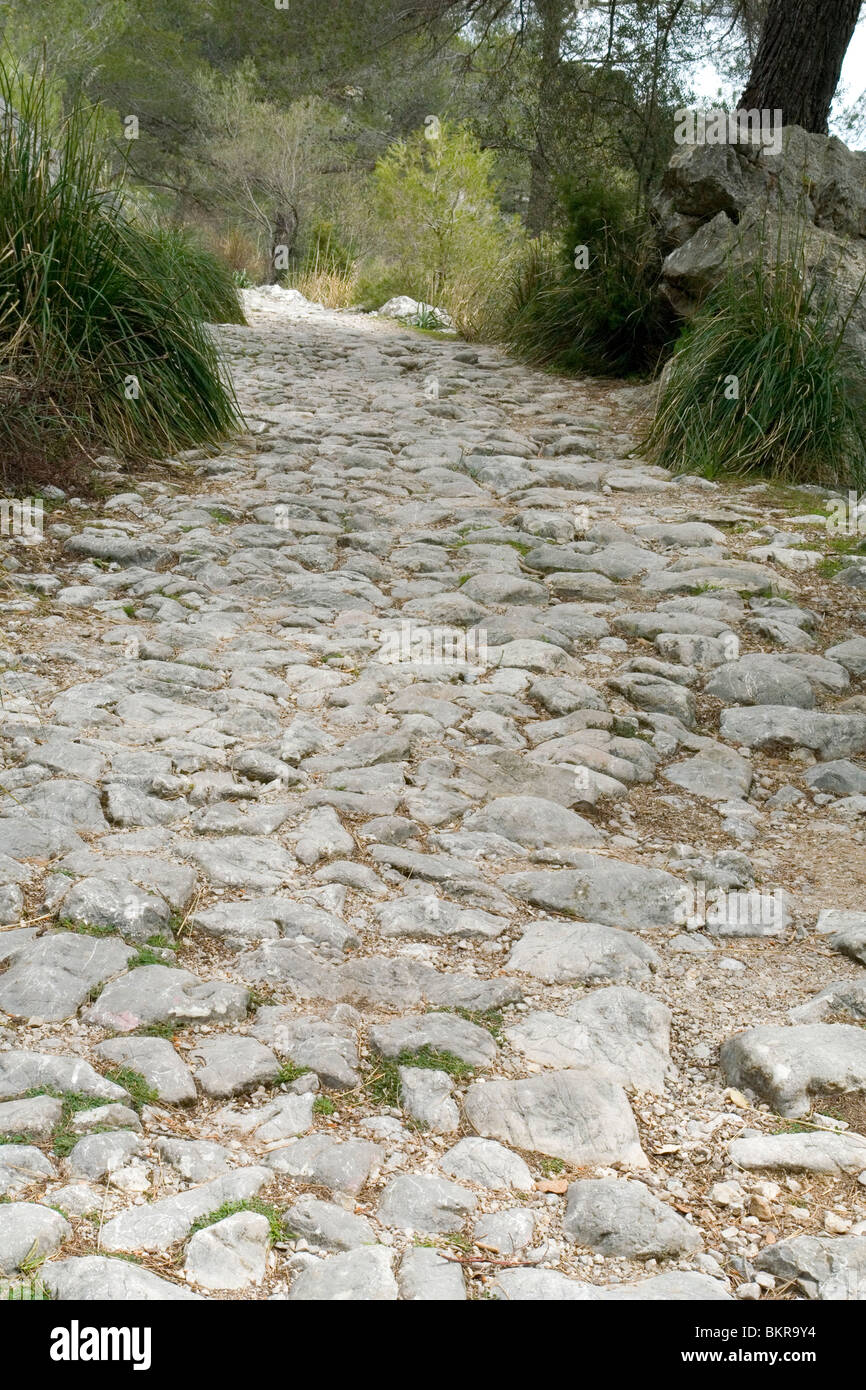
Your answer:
<point x="552" y="15"/>
<point x="285" y="231"/>
<point x="799" y="60"/>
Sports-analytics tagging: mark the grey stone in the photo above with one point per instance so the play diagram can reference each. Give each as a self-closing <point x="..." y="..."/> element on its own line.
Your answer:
<point x="439" y="1033"/>
<point x="533" y="822"/>
<point x="363" y="1276"/>
<point x="285" y="1117"/>
<point x="760" y="679"/>
<point x="232" y="1064"/>
<point x="428" y="918"/>
<point x="327" y="1225"/>
<point x="718" y="773"/>
<point x="426" y="1096"/>
<point x="28" y="1232"/>
<point x="598" y="889"/>
<point x="427" y="1276"/>
<point x="417" y="1202"/>
<point x="505" y="1232"/>
<point x="487" y="1164"/>
<point x="340" y="1166"/>
<point x="162" y="994"/>
<point x="22" y="1071"/>
<point x="197" y="1160"/>
<point x="112" y="1116"/>
<point x="819" y="1152"/>
<point x="230" y="1254"/>
<point x="97" y="1155"/>
<point x="21" y="1165"/>
<point x="575" y="1115"/>
<point x="50" y="979"/>
<point x="767" y="727"/>
<point x="329" y="1047"/>
<point x="274" y="917"/>
<point x="128" y="909"/>
<point x="618" y="1032"/>
<point x="839" y="778"/>
<point x="571" y="952"/>
<point x="851" y="654"/>
<point x="159" y="1225"/>
<point x="790" y="1066"/>
<point x="37" y="1116"/>
<point x="156" y="1060"/>
<point x="824" y="1267"/>
<point x="617" y="1217"/>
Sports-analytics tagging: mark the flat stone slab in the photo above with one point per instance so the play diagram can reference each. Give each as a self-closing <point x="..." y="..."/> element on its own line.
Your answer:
<point x="159" y="1225"/>
<point x="487" y="1164"/>
<point x="533" y="822"/>
<point x="341" y="1166"/>
<point x="164" y="994"/>
<point x="821" y="1152"/>
<point x="231" y="1064"/>
<point x="598" y="889"/>
<point x="426" y="1276"/>
<point x="283" y="1118"/>
<point x="99" y="1278"/>
<point x="28" y="1232"/>
<point x="576" y="1115"/>
<point x="37" y="1116"/>
<point x="120" y="905"/>
<point x="830" y="1268"/>
<point x="617" y="1217"/>
<point x="429" y="918"/>
<point x="618" y="1032"/>
<point x="22" y="1165"/>
<point x="790" y="1067"/>
<point x="778" y="726"/>
<point x="329" y="1047"/>
<point x="420" y="1203"/>
<point x="356" y="1276"/>
<point x="242" y="861"/>
<point x="274" y="918"/>
<point x="50" y="979"/>
<point x="230" y="1254"/>
<point x="22" y="1071"/>
<point x="586" y="952"/>
<point x="156" y="1060"/>
<point x="439" y="1033"/>
<point x="326" y="1225"/>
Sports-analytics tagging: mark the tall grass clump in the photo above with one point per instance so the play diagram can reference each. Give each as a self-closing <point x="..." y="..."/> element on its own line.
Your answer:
<point x="763" y="381"/>
<point x="589" y="303"/>
<point x="199" y="283"/>
<point x="99" y="345"/>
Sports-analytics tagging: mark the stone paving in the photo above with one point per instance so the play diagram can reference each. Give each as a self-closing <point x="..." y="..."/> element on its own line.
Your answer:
<point x="431" y="855"/>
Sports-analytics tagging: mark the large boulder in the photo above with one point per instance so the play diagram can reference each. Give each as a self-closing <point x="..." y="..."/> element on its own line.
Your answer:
<point x="716" y="199"/>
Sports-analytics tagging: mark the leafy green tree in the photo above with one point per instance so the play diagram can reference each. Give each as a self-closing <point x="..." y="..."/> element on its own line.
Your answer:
<point x="437" y="210"/>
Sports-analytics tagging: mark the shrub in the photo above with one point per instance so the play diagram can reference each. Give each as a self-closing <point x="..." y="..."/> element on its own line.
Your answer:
<point x="439" y="221"/>
<point x="590" y="304"/>
<point x="763" y="381"/>
<point x="196" y="281"/>
<point x="96" y="350"/>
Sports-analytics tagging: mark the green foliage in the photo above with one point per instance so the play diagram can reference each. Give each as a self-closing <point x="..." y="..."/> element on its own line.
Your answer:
<point x="590" y="304"/>
<point x="196" y="281"/>
<point x="762" y="381"/>
<point x="92" y="353"/>
<point x="323" y="1105"/>
<point x="140" y="1093"/>
<point x="383" y="1082"/>
<point x="250" y="1204"/>
<point x="438" y="217"/>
